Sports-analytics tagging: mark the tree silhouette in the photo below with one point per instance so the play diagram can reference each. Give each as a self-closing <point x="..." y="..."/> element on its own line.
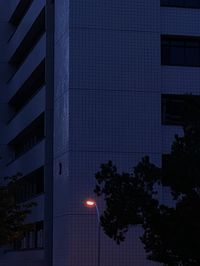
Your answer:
<point x="171" y="232"/>
<point x="12" y="213"/>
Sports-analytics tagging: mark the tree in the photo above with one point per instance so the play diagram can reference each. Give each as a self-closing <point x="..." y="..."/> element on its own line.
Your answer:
<point x="171" y="232"/>
<point x="12" y="213"/>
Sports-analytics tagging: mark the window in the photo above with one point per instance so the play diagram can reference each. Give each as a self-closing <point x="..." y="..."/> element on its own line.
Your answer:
<point x="28" y="138"/>
<point x="181" y="3"/>
<point x="176" y="109"/>
<point x="33" y="237"/>
<point x="180" y="51"/>
<point x="39" y="235"/>
<point x="30" y="186"/>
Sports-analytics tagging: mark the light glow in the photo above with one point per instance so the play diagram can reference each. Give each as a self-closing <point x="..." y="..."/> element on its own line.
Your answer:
<point x="90" y="203"/>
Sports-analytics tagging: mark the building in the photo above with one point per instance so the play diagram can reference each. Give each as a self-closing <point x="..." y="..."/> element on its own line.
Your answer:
<point x="83" y="82"/>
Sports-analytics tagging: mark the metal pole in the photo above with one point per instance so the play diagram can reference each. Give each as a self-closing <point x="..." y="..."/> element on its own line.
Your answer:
<point x="99" y="242"/>
<point x="99" y="237"/>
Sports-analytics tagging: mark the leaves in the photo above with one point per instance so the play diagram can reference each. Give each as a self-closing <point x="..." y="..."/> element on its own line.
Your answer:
<point x="171" y="233"/>
<point x="12" y="215"/>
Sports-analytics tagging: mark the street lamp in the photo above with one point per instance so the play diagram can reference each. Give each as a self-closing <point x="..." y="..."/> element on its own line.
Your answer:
<point x="90" y="203"/>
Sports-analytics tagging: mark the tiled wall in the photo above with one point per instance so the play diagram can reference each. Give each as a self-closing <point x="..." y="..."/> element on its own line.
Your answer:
<point x="107" y="106"/>
<point x="108" y="85"/>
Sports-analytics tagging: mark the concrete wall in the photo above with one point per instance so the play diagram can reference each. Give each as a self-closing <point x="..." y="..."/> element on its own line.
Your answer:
<point x="102" y="101"/>
<point x="107" y="107"/>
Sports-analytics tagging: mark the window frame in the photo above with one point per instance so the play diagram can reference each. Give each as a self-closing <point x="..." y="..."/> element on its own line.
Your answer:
<point x="184" y="5"/>
<point x="33" y="238"/>
<point x="30" y="186"/>
<point x="168" y="118"/>
<point x="167" y="47"/>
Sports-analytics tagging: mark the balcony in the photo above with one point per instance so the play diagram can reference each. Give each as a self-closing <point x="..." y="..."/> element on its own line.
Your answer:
<point x="18" y="10"/>
<point x="26" y="115"/>
<point x="26" y="70"/>
<point x="28" y="162"/>
<point x="19" y="37"/>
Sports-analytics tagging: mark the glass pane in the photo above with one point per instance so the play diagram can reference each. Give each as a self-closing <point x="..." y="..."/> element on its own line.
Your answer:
<point x="164" y="42"/>
<point x="193" y="3"/>
<point x="172" y="109"/>
<point x="177" y="43"/>
<point x="177" y="56"/>
<point x="192" y="56"/>
<point x="164" y="2"/>
<point x="165" y="55"/>
<point x="194" y="43"/>
<point x="175" y="107"/>
<point x="177" y="2"/>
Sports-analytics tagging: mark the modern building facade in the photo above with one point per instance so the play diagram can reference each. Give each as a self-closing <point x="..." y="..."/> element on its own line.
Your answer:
<point x="84" y="82"/>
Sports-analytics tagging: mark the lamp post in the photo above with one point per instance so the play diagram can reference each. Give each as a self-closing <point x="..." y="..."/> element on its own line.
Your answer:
<point x="90" y="203"/>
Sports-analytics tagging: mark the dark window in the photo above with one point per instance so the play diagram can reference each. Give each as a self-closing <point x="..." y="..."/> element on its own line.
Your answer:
<point x="39" y="234"/>
<point x="176" y="109"/>
<point x="180" y="51"/>
<point x="30" y="186"/>
<point x="181" y="3"/>
<point x="33" y="237"/>
<point x="28" y="138"/>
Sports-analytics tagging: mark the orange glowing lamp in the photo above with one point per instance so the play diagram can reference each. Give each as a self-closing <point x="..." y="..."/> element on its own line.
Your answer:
<point x="90" y="203"/>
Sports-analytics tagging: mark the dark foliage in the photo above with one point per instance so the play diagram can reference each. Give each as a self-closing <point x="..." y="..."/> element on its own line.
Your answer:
<point x="12" y="214"/>
<point x="171" y="232"/>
